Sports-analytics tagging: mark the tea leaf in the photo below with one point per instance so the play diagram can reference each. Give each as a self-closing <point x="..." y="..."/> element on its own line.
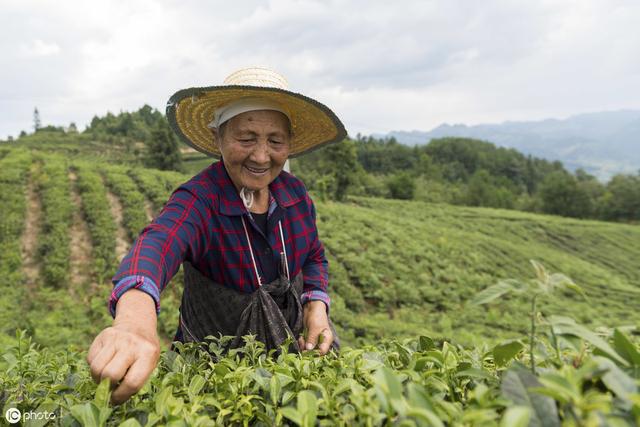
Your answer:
<point x="103" y="394"/>
<point x="516" y="416"/>
<point x="505" y="352"/>
<point x="195" y="386"/>
<point x="515" y="386"/>
<point x="626" y="348"/>
<point x="565" y="325"/>
<point x="493" y="292"/>
<point x="307" y="407"/>
<point x="616" y="379"/>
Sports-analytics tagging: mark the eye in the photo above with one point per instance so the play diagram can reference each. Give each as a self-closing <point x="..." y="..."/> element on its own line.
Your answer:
<point x="275" y="141"/>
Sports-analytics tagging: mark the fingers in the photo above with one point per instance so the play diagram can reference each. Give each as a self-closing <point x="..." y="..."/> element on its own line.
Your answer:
<point x="100" y="361"/>
<point x="117" y="367"/>
<point x="319" y="334"/>
<point x="126" y="359"/>
<point x="95" y="348"/>
<point x="134" y="380"/>
<point x="314" y="338"/>
<point x="327" y="340"/>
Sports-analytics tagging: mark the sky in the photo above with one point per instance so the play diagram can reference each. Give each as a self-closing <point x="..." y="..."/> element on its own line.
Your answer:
<point x="380" y="65"/>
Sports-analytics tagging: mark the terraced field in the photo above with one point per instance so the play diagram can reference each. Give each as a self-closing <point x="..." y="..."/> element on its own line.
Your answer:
<point x="403" y="275"/>
<point x="397" y="268"/>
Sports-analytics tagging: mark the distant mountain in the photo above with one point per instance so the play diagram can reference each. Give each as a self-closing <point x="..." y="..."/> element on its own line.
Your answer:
<point x="603" y="143"/>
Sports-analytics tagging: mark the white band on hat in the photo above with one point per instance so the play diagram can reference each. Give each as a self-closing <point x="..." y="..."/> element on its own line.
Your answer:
<point x="242" y="106"/>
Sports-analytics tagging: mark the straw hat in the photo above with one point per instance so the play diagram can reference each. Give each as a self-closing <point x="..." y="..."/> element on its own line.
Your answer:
<point x="191" y="110"/>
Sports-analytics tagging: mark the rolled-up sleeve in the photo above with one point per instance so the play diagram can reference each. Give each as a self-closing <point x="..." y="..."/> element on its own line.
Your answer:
<point x="176" y="235"/>
<point x="315" y="270"/>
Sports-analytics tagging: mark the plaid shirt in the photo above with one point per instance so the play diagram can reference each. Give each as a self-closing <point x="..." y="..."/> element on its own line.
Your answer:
<point x="202" y="223"/>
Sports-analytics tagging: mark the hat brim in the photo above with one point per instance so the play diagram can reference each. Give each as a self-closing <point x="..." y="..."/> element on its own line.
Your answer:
<point x="189" y="112"/>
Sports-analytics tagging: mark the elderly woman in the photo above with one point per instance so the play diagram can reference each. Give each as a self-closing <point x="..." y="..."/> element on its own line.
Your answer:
<point x="243" y="228"/>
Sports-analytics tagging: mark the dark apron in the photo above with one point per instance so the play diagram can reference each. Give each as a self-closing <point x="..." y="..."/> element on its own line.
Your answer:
<point x="273" y="312"/>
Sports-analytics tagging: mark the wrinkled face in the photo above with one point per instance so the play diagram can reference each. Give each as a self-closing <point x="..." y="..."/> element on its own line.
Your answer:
<point x="254" y="147"/>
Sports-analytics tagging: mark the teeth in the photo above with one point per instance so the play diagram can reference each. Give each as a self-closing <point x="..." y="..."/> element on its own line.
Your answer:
<point x="256" y="170"/>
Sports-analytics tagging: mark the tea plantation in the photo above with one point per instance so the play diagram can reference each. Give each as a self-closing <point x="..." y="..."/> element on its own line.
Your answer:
<point x="404" y="277"/>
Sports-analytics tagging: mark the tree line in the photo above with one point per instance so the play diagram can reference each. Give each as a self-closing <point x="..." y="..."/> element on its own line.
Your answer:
<point x="460" y="171"/>
<point x="144" y="133"/>
<point x="469" y="172"/>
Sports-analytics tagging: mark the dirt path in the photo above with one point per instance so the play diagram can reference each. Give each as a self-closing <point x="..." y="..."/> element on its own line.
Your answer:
<point x="148" y="209"/>
<point x="81" y="247"/>
<point x="29" y="246"/>
<point x="122" y="242"/>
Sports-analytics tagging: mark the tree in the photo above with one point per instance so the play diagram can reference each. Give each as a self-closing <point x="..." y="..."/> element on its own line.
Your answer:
<point x="341" y="162"/>
<point x="481" y="191"/>
<point x="561" y="195"/>
<point x="621" y="200"/>
<point x="402" y="186"/>
<point x="36" y="120"/>
<point x="163" y="151"/>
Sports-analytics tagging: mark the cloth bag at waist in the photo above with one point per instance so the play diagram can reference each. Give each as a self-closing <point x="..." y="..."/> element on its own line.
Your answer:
<point x="272" y="312"/>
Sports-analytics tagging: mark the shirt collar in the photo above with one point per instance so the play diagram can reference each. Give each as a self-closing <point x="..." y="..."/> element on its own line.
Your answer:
<point x="229" y="201"/>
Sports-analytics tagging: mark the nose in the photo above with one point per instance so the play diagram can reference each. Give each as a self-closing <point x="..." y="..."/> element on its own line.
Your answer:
<point x="260" y="155"/>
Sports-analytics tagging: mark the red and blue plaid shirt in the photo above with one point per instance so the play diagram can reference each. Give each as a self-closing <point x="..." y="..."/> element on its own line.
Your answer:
<point x="202" y="223"/>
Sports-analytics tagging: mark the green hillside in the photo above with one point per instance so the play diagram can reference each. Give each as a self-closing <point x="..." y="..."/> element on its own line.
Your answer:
<point x="419" y="264"/>
<point x="399" y="270"/>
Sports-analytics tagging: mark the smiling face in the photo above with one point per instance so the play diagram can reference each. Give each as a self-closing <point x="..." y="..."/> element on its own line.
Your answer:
<point x="254" y="147"/>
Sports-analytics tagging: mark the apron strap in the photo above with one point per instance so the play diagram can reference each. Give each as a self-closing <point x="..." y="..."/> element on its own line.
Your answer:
<point x="255" y="266"/>
<point x="282" y="254"/>
<point x="284" y="251"/>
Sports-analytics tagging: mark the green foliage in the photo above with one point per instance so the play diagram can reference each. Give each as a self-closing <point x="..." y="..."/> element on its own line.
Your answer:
<point x="561" y="195"/>
<point x="132" y="200"/>
<point x="331" y="170"/>
<point x="459" y="171"/>
<point x="410" y="382"/>
<point x="54" y="190"/>
<point x="621" y="200"/>
<point x="14" y="168"/>
<point x="163" y="151"/>
<point x="95" y="207"/>
<point x="469" y="172"/>
<point x="483" y="190"/>
<point x="401" y="186"/>
<point x="398" y="269"/>
<point x="136" y="125"/>
<point x="410" y="267"/>
<point x="544" y="284"/>
<point x="156" y="185"/>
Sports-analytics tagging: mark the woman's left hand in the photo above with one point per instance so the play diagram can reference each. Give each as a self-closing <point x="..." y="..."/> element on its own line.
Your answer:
<point x="316" y="323"/>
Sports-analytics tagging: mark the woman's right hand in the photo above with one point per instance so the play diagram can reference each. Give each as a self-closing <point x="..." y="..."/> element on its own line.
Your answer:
<point x="127" y="352"/>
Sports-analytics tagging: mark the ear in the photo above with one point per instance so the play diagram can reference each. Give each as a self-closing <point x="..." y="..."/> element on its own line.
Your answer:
<point x="216" y="136"/>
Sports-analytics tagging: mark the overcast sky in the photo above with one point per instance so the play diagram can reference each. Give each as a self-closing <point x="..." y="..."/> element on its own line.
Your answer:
<point x="381" y="65"/>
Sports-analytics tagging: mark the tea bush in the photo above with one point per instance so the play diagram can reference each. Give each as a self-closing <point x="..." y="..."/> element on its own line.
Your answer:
<point x="102" y="227"/>
<point x="411" y="382"/>
<point x="132" y="200"/>
<point x="51" y="177"/>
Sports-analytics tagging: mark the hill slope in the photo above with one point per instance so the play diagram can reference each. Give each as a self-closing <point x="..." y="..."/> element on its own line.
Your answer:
<point x="397" y="268"/>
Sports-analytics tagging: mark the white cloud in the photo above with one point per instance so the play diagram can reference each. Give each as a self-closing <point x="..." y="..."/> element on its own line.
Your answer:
<point x="40" y="48"/>
<point x="381" y="65"/>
